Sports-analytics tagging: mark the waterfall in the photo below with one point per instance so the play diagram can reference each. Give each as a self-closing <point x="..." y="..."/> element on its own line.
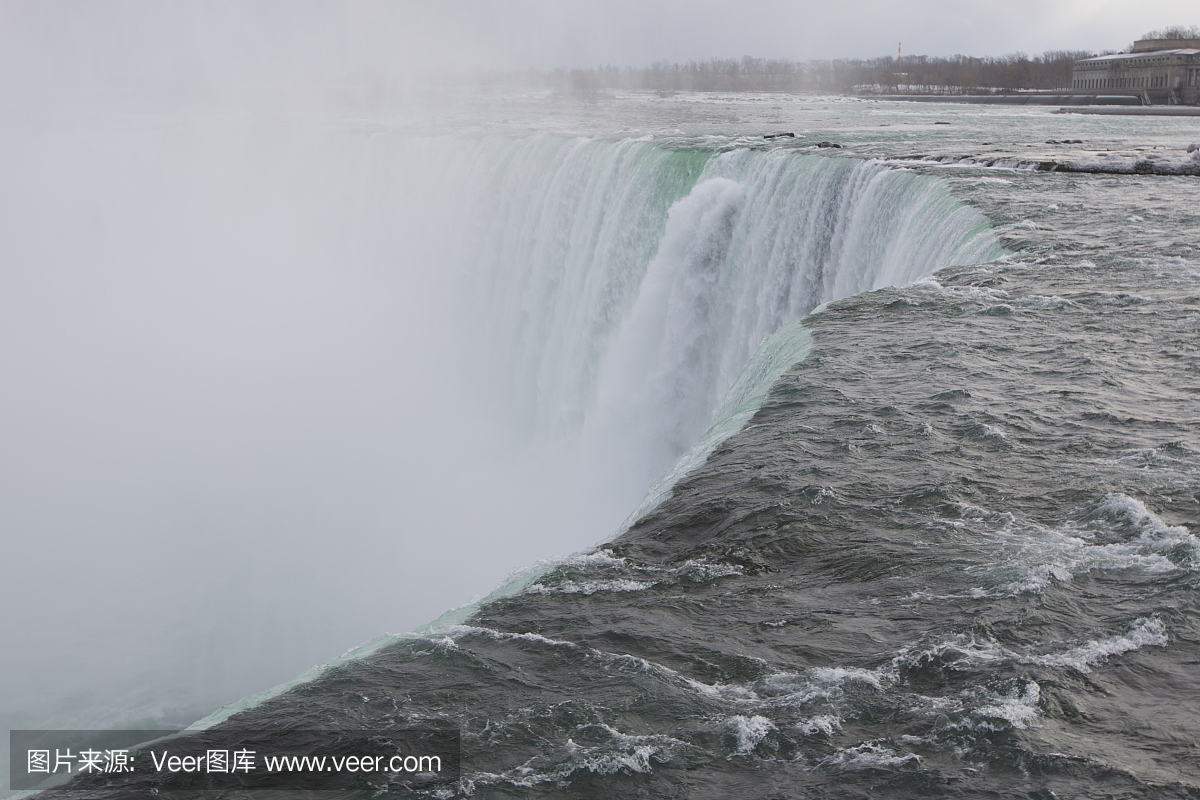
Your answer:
<point x="305" y="386"/>
<point x="618" y="289"/>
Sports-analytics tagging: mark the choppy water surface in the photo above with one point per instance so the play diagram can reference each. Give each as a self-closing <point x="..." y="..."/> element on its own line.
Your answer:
<point x="954" y="552"/>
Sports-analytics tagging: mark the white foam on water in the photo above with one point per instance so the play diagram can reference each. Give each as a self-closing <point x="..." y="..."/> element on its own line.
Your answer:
<point x="589" y="587"/>
<point x="794" y="689"/>
<point x="1145" y="539"/>
<point x="701" y="570"/>
<point x="975" y="708"/>
<point x="1149" y="458"/>
<point x="749" y="731"/>
<point x="1044" y="301"/>
<point x="634" y="755"/>
<point x="961" y="652"/>
<point x="869" y="755"/>
<point x="823" y="724"/>
<point x="993" y="432"/>
<point x="1145" y="632"/>
<point x="620" y="753"/>
<point x="979" y="293"/>
<point x="453" y="633"/>
<point x="1018" y="707"/>
<point x="836" y="677"/>
<point x="957" y="651"/>
<point x="982" y="181"/>
<point x="1032" y="556"/>
<point x="592" y="558"/>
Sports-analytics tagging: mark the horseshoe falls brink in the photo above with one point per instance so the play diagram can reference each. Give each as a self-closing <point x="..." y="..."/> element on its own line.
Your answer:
<point x="789" y="470"/>
<point x="436" y="361"/>
<point x="619" y="289"/>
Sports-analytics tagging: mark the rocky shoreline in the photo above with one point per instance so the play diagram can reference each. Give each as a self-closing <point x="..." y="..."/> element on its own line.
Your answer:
<point x="1101" y="163"/>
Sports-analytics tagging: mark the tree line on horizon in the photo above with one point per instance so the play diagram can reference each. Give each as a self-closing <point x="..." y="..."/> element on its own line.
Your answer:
<point x="888" y="75"/>
<point x="957" y="74"/>
<point x="891" y="74"/>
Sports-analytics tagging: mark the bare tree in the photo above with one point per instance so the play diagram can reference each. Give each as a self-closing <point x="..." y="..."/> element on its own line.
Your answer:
<point x="1175" y="32"/>
<point x="955" y="75"/>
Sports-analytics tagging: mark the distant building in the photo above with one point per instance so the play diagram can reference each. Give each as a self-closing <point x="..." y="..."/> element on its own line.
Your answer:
<point x="1160" y="71"/>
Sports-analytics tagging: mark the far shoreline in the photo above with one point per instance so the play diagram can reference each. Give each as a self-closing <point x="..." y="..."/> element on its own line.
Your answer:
<point x="1069" y="102"/>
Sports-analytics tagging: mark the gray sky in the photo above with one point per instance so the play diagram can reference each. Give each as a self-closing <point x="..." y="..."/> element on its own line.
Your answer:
<point x="187" y="44"/>
<point x="640" y="31"/>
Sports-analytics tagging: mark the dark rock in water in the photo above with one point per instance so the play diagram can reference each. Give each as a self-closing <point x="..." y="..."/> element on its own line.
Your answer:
<point x="828" y="144"/>
<point x="785" y="134"/>
<point x="941" y="123"/>
<point x="1064" y="141"/>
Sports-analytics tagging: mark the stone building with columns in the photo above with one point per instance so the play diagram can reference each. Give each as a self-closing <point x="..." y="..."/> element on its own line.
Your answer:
<point x="1159" y="71"/>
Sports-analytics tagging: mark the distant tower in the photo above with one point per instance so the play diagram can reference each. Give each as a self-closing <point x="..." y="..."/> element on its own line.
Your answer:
<point x="898" y="48"/>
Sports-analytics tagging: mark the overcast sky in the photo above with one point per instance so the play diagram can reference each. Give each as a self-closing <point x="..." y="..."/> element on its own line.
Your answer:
<point x="642" y="31"/>
<point x="44" y="42"/>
